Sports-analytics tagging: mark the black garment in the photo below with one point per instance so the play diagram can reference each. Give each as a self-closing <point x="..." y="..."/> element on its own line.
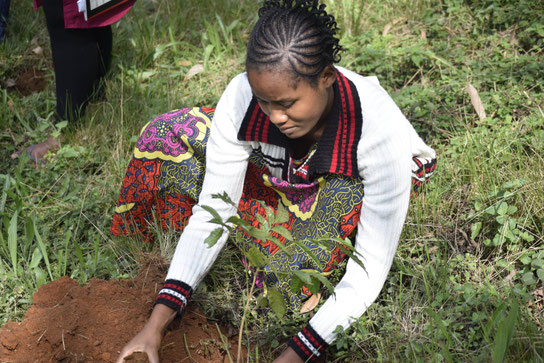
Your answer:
<point x="81" y="57"/>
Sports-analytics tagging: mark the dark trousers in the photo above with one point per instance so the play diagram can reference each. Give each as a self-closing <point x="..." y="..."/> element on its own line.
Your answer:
<point x="4" y="14"/>
<point x="81" y="57"/>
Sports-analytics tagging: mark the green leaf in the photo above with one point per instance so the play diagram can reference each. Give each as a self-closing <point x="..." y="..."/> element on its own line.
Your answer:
<point x="527" y="237"/>
<point x="225" y="198"/>
<point x="256" y="233"/>
<point x="282" y="215"/>
<point x="61" y="125"/>
<point x="497" y="240"/>
<point x="517" y="183"/>
<point x="352" y="254"/>
<point x="504" y="333"/>
<point x="296" y="284"/>
<point x="12" y="241"/>
<point x="262" y="302"/>
<point x="214" y="236"/>
<point x="475" y="228"/>
<point x="510" y="235"/>
<point x="36" y="258"/>
<point x="503" y="208"/>
<point x="68" y="152"/>
<point x="276" y="302"/>
<point x="304" y="277"/>
<point x="540" y="274"/>
<point x="501" y="219"/>
<point x="64" y="264"/>
<point x="512" y="209"/>
<point x="284" y="232"/>
<point x="4" y="193"/>
<point x="269" y="214"/>
<point x="29" y="233"/>
<point x="262" y="220"/>
<point x="43" y="250"/>
<point x="496" y="318"/>
<point x="528" y="278"/>
<point x="491" y="210"/>
<point x="325" y="281"/>
<point x="314" y="285"/>
<point x="216" y="217"/>
<point x="256" y="257"/>
<point x="237" y="221"/>
<point x="525" y="259"/>
<point x="40" y="276"/>
<point x="537" y="263"/>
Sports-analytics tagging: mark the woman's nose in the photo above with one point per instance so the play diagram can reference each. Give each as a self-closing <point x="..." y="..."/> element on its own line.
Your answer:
<point x="277" y="116"/>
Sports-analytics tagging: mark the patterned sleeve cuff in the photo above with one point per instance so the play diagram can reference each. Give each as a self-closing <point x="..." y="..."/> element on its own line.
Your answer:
<point x="174" y="294"/>
<point x="422" y="170"/>
<point x="308" y="344"/>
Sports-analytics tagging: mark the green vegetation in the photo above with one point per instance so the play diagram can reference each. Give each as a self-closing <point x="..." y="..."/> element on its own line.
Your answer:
<point x="467" y="282"/>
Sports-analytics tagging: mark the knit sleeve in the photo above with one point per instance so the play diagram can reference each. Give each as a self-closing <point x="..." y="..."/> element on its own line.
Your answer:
<point x="226" y="164"/>
<point x="384" y="162"/>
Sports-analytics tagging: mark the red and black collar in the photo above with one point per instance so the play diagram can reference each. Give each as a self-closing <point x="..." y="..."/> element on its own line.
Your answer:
<point x="337" y="149"/>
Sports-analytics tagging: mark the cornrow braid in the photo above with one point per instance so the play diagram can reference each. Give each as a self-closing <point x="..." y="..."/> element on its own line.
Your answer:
<point x="299" y="32"/>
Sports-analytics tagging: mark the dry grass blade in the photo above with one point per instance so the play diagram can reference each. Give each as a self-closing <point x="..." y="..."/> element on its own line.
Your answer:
<point x="196" y="69"/>
<point x="476" y="101"/>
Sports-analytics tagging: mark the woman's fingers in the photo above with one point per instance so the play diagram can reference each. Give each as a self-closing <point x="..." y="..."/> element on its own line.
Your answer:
<point x="152" y="357"/>
<point x="146" y="341"/>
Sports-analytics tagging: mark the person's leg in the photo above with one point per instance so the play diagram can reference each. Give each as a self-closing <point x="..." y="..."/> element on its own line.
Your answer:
<point x="4" y="14"/>
<point x="104" y="40"/>
<point x="76" y="62"/>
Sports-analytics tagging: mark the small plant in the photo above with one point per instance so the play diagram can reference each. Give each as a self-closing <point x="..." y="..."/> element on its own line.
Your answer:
<point x="257" y="261"/>
<point x="533" y="267"/>
<point x="497" y="223"/>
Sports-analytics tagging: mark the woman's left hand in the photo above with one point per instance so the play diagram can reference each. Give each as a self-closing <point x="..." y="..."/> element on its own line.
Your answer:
<point x="288" y="356"/>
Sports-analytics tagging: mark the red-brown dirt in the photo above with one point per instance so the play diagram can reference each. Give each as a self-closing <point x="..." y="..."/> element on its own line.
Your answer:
<point x="72" y="323"/>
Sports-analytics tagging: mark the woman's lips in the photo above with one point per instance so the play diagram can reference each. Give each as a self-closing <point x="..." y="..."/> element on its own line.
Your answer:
<point x="287" y="130"/>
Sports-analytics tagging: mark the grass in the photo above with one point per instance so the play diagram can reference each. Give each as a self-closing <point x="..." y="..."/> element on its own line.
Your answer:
<point x="467" y="281"/>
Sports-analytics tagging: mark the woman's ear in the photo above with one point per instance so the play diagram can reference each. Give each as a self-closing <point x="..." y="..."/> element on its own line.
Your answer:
<point x="328" y="76"/>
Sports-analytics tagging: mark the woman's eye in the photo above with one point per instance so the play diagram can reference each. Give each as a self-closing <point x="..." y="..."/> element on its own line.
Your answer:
<point x="287" y="105"/>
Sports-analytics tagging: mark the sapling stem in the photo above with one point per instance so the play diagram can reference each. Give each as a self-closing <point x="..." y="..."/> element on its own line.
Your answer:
<point x="238" y="355"/>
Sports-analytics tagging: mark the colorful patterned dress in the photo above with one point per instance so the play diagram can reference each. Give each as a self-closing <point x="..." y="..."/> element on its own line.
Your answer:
<point x="164" y="178"/>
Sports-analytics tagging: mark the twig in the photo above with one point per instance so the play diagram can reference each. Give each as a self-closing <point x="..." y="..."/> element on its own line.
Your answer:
<point x="63" y="346"/>
<point x="187" y="348"/>
<point x="41" y="336"/>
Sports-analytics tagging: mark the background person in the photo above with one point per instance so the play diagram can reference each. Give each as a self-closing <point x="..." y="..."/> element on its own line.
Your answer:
<point x="81" y="51"/>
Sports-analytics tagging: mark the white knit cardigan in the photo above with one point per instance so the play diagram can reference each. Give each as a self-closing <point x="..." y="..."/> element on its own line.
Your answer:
<point x="384" y="158"/>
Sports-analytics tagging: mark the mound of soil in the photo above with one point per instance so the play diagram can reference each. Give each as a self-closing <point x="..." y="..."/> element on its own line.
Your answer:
<point x="27" y="81"/>
<point x="72" y="323"/>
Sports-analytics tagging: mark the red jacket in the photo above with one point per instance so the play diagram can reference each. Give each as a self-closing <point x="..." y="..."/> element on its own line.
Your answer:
<point x="74" y="19"/>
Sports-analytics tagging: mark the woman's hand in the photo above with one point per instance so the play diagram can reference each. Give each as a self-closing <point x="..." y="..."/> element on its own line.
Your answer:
<point x="148" y="340"/>
<point x="288" y="356"/>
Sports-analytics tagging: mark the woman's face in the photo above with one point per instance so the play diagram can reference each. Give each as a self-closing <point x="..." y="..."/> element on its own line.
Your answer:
<point x="297" y="109"/>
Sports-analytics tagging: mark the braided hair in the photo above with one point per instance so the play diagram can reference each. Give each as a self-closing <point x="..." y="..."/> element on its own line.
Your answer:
<point x="299" y="32"/>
